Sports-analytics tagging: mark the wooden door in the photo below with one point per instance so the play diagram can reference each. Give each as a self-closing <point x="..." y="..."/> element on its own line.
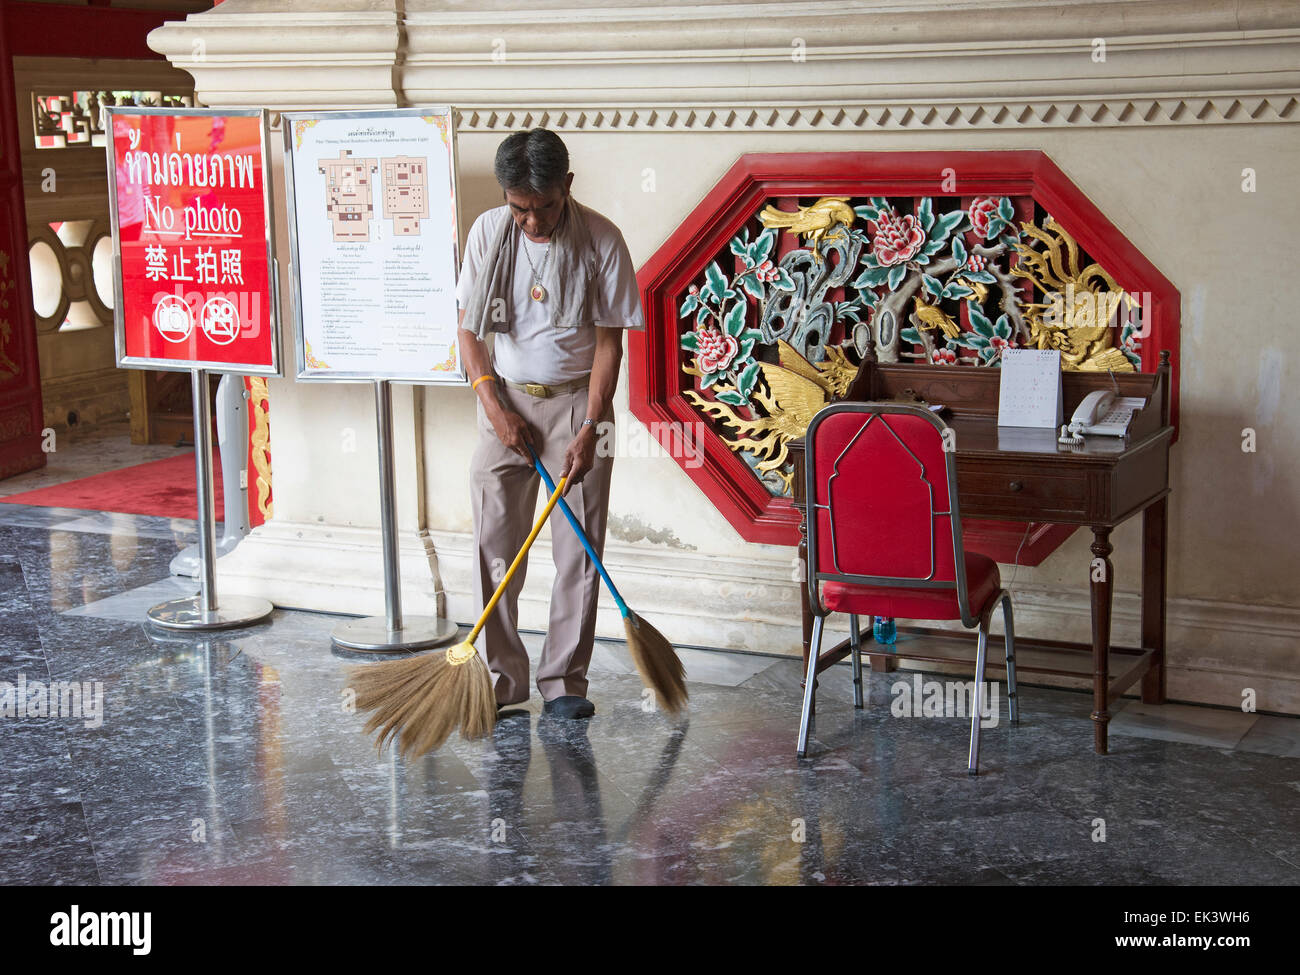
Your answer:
<point x="20" y="377"/>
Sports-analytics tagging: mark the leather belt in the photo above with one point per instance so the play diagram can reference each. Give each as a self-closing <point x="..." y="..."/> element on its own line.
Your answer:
<point x="543" y="391"/>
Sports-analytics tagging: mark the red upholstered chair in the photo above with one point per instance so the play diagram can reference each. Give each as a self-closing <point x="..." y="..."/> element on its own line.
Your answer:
<point x="884" y="539"/>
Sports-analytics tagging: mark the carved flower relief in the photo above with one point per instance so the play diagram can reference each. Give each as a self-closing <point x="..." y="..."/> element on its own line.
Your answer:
<point x="896" y="239"/>
<point x="981" y="212"/>
<point x="714" y="350"/>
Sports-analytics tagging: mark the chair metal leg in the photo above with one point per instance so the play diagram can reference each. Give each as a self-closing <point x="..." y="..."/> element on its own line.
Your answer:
<point x="1012" y="705"/>
<point x="810" y="683"/>
<point x="981" y="653"/>
<point x="856" y="643"/>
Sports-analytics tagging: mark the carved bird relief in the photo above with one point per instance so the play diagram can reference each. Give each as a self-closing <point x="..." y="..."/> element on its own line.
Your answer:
<point x="811" y="222"/>
<point x="796" y="390"/>
<point x="1082" y="302"/>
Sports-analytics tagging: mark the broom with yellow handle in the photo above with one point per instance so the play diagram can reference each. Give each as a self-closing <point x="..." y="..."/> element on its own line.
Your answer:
<point x="661" y="669"/>
<point x="426" y="698"/>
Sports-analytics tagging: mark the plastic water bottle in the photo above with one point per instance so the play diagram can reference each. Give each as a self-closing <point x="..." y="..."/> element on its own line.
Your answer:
<point x="884" y="630"/>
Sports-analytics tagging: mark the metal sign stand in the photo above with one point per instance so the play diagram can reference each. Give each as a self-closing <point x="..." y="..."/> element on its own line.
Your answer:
<point x="201" y="612"/>
<point x="390" y="633"/>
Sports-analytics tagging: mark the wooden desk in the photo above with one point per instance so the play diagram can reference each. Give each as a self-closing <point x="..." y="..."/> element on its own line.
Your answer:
<point x="1025" y="475"/>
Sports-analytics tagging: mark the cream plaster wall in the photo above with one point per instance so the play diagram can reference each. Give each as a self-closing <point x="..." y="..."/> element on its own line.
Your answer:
<point x="684" y="92"/>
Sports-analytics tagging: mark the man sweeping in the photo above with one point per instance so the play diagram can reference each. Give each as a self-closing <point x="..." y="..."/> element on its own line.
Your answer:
<point x="551" y="283"/>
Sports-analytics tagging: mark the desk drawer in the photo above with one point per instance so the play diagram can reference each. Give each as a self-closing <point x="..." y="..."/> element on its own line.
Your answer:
<point x="1016" y="493"/>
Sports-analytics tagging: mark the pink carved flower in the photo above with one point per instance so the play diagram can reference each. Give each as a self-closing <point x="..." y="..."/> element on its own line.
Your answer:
<point x="716" y="350"/>
<point x="897" y="238"/>
<point x="997" y="344"/>
<point x="943" y="357"/>
<point x="976" y="263"/>
<point x="767" y="271"/>
<point x="980" y="211"/>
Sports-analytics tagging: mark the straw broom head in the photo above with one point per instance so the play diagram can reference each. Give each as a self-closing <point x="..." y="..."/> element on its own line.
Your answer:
<point x="657" y="661"/>
<point x="424" y="699"/>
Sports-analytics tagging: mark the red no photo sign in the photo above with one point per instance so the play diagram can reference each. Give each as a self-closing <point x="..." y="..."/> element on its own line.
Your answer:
<point x="191" y="226"/>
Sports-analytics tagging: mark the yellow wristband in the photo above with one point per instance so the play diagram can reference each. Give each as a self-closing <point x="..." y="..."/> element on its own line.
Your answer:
<point x="481" y="379"/>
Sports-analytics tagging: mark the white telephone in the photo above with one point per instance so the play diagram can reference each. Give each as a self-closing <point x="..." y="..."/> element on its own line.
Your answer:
<point x="1103" y="413"/>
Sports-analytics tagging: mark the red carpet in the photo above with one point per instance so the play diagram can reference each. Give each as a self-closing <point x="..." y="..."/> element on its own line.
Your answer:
<point x="161" y="487"/>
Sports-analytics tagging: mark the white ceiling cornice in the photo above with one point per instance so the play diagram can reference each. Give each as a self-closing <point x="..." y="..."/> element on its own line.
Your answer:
<point x="899" y="64"/>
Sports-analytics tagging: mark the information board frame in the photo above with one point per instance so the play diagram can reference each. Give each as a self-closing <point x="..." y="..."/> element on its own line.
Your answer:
<point x="453" y="376"/>
<point x="124" y="361"/>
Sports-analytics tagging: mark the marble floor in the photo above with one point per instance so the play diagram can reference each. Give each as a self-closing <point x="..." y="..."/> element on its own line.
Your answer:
<point x="231" y="759"/>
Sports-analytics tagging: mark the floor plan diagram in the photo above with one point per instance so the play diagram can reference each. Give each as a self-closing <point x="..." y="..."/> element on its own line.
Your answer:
<point x="349" y="192"/>
<point x="406" y="197"/>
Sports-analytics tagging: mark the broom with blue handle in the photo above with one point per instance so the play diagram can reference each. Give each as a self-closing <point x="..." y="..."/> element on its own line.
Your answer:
<point x="658" y="663"/>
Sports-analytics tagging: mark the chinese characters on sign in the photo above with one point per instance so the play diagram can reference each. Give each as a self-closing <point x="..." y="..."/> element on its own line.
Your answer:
<point x="191" y="221"/>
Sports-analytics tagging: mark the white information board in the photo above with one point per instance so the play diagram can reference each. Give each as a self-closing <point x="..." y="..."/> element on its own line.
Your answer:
<point x="373" y="229"/>
<point x="1029" y="391"/>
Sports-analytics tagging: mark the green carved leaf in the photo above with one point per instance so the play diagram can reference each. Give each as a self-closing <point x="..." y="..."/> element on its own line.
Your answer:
<point x="910" y="334"/>
<point x="715" y="287"/>
<point x="748" y="379"/>
<point x="1006" y="210"/>
<point x="925" y="214"/>
<point x="783" y="281"/>
<point x="872" y="277"/>
<point x="983" y="277"/>
<point x="751" y="285"/>
<point x="709" y="378"/>
<point x="762" y="247"/>
<point x="958" y="251"/>
<point x="896" y="275"/>
<point x="947" y="223"/>
<point x="691" y="341"/>
<point x="979" y="321"/>
<point x="932" y="284"/>
<point x="955" y="290"/>
<point x="734" y="323"/>
<point x="732" y="397"/>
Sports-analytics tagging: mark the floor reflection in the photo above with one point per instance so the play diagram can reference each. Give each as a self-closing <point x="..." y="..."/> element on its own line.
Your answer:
<point x="233" y="758"/>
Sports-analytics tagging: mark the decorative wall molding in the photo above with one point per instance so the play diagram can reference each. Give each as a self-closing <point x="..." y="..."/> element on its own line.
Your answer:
<point x="898" y="116"/>
<point x="634" y="66"/>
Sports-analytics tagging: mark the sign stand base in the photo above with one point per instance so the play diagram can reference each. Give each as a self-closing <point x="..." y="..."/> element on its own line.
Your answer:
<point x="190" y="614"/>
<point x="372" y="635"/>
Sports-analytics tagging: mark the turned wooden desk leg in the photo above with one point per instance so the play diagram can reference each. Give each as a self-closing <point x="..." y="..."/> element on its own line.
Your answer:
<point x="1101" y="575"/>
<point x="1155" y="562"/>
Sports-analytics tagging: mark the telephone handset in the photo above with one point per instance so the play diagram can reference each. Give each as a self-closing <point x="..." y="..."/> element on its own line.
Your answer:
<point x="1103" y="413"/>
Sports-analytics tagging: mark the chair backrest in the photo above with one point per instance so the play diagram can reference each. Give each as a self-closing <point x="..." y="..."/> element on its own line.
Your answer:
<point x="882" y="500"/>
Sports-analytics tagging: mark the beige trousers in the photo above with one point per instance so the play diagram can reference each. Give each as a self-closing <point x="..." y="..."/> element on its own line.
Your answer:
<point x="503" y="488"/>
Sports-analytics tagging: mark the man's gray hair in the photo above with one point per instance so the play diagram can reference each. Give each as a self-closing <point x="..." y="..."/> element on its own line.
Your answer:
<point x="535" y="161"/>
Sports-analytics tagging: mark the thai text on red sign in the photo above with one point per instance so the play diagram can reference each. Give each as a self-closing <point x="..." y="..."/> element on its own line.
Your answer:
<point x="192" y="226"/>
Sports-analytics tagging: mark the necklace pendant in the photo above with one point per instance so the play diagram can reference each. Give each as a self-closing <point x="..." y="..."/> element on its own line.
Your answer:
<point x="538" y="293"/>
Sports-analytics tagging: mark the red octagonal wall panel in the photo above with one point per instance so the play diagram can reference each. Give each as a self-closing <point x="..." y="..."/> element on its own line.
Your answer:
<point x="668" y="393"/>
